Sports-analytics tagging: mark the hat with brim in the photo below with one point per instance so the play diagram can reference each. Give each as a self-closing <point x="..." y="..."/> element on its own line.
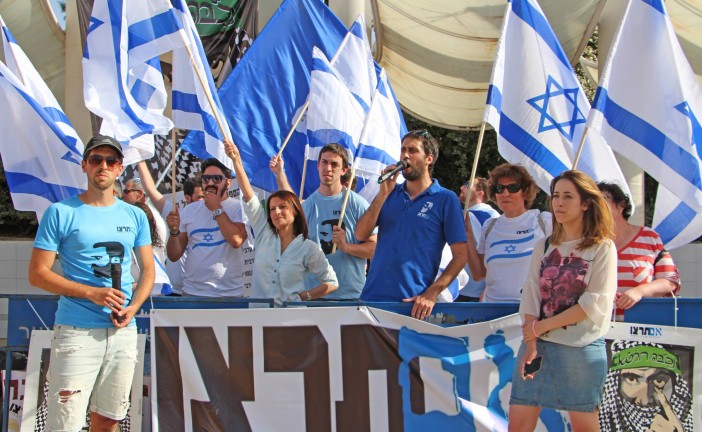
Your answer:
<point x="100" y="141"/>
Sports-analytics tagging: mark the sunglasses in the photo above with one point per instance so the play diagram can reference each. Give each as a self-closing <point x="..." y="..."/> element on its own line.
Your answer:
<point x="216" y="179"/>
<point x="126" y="191"/>
<point x="511" y="188"/>
<point x="96" y="160"/>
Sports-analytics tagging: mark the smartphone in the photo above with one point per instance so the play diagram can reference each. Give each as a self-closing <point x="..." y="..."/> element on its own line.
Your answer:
<point x="533" y="367"/>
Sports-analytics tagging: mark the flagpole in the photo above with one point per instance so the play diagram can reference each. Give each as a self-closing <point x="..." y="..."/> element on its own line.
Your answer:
<point x="469" y="192"/>
<point x="580" y="148"/>
<point x="205" y="87"/>
<point x="303" y="110"/>
<point x="304" y="171"/>
<point x="173" y="167"/>
<point x="346" y="200"/>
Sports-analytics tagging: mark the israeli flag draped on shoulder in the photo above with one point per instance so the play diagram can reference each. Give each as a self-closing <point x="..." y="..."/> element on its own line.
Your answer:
<point x="536" y="104"/>
<point x="123" y="83"/>
<point x="264" y="92"/>
<point x="649" y="108"/>
<point x="41" y="152"/>
<point x="191" y="108"/>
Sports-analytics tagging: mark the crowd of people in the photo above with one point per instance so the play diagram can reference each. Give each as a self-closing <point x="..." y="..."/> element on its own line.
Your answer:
<point x="569" y="268"/>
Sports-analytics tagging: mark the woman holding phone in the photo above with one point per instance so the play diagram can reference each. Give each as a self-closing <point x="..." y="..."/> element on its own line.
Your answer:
<point x="566" y="307"/>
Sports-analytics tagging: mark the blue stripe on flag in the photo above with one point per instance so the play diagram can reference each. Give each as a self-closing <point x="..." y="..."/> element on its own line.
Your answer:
<point x="530" y="146"/>
<point x="675" y="222"/>
<point x="68" y="141"/>
<point x="509" y="256"/>
<point x="644" y="133"/>
<point x="494" y="97"/>
<point x="150" y="29"/>
<point x="374" y="153"/>
<point x="142" y="91"/>
<point x="115" y="10"/>
<point x="356" y="30"/>
<point x="523" y="240"/>
<point x="23" y="183"/>
<point x="656" y="4"/>
<point x="320" y="65"/>
<point x="538" y="22"/>
<point x="8" y="35"/>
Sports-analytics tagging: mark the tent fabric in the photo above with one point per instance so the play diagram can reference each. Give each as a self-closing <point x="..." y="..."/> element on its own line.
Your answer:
<point x="438" y="55"/>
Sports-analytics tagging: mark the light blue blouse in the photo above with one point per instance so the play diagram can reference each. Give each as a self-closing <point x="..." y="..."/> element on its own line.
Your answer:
<point x="282" y="276"/>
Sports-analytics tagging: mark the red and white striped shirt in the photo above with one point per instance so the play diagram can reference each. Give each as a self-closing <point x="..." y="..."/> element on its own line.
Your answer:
<point x="636" y="262"/>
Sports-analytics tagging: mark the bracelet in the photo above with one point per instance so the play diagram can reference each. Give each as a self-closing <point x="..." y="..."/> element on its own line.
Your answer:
<point x="533" y="328"/>
<point x="175" y="234"/>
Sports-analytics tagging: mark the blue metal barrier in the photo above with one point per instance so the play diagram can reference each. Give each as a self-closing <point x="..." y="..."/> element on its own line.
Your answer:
<point x="661" y="311"/>
<point x="445" y="314"/>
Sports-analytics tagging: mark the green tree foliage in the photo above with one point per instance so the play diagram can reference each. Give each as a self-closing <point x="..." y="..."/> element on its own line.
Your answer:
<point x="14" y="223"/>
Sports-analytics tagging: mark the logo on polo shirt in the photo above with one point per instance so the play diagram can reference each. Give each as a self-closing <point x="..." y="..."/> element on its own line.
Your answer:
<point x="425" y="209"/>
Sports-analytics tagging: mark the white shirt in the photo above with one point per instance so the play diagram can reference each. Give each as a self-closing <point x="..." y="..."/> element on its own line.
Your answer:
<point x="507" y="253"/>
<point x="213" y="268"/>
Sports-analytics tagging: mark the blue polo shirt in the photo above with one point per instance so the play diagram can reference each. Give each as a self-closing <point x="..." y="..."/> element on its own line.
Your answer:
<point x="411" y="236"/>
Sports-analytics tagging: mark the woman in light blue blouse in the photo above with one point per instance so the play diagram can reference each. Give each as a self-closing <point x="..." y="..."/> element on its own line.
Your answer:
<point x="283" y="252"/>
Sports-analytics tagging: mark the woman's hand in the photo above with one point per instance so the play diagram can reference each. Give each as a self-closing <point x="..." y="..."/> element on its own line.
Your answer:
<point x="529" y="355"/>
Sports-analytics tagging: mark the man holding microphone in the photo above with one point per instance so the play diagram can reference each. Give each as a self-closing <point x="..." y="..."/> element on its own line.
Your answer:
<point x="94" y="349"/>
<point x="415" y="220"/>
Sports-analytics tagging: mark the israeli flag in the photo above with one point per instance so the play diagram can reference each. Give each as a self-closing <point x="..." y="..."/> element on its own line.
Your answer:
<point x="334" y="114"/>
<point x="381" y="139"/>
<point x="41" y="152"/>
<point x="191" y="108"/>
<point x="122" y="77"/>
<point x="649" y="108"/>
<point x="537" y="106"/>
<point x="354" y="63"/>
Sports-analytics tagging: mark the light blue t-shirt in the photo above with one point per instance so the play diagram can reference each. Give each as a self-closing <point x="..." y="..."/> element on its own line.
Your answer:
<point x="88" y="239"/>
<point x="322" y="213"/>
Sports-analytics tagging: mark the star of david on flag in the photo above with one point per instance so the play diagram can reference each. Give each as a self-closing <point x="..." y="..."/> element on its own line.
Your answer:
<point x="648" y="107"/>
<point x="567" y="102"/>
<point x="540" y="113"/>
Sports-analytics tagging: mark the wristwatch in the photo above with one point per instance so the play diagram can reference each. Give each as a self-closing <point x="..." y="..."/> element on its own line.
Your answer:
<point x="217" y="212"/>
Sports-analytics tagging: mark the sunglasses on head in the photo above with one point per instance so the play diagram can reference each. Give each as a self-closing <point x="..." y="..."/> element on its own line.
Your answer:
<point x="216" y="179"/>
<point x="96" y="160"/>
<point x="511" y="188"/>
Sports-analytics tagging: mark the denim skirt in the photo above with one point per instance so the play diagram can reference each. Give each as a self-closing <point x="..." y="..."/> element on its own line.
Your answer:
<point x="570" y="378"/>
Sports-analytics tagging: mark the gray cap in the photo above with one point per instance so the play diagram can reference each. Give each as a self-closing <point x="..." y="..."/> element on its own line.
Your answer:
<point x="102" y="140"/>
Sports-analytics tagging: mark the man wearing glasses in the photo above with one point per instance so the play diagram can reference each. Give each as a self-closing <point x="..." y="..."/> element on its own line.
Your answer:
<point x="415" y="220"/>
<point x="94" y="349"/>
<point x="212" y="230"/>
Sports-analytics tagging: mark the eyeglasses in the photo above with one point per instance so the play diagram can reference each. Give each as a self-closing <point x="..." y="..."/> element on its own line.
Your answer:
<point x="511" y="188"/>
<point x="216" y="179"/>
<point x="96" y="160"/>
<point x="126" y="191"/>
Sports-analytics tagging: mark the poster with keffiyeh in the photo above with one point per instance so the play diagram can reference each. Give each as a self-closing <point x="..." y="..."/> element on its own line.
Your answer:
<point x="654" y="373"/>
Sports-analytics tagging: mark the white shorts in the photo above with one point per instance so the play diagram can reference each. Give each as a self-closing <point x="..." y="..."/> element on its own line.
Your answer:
<point x="94" y="365"/>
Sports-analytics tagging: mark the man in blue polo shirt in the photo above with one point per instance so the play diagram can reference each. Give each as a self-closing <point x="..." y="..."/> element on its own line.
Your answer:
<point x="415" y="220"/>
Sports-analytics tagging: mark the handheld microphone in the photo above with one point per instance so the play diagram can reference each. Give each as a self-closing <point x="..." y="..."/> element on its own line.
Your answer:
<point x="398" y="167"/>
<point x="116" y="273"/>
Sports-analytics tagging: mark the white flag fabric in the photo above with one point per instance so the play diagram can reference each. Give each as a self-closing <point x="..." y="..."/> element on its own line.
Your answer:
<point x="648" y="107"/>
<point x="380" y="140"/>
<point x="354" y="65"/>
<point x="334" y="114"/>
<point x="191" y="109"/>
<point x="122" y="77"/>
<point x="41" y="151"/>
<point x="537" y="106"/>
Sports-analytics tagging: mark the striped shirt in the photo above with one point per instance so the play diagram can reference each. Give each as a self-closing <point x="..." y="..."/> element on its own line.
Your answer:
<point x="636" y="262"/>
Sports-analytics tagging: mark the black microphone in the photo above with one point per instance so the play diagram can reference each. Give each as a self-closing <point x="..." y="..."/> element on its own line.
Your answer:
<point x="116" y="273"/>
<point x="398" y="167"/>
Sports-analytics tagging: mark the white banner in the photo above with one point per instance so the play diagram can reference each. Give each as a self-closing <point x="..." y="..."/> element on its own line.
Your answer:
<point x="359" y="368"/>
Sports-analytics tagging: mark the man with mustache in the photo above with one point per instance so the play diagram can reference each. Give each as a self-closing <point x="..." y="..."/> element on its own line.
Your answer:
<point x="213" y="231"/>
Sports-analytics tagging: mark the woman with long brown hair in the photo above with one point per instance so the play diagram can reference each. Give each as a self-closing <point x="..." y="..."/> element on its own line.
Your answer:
<point x="566" y="306"/>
